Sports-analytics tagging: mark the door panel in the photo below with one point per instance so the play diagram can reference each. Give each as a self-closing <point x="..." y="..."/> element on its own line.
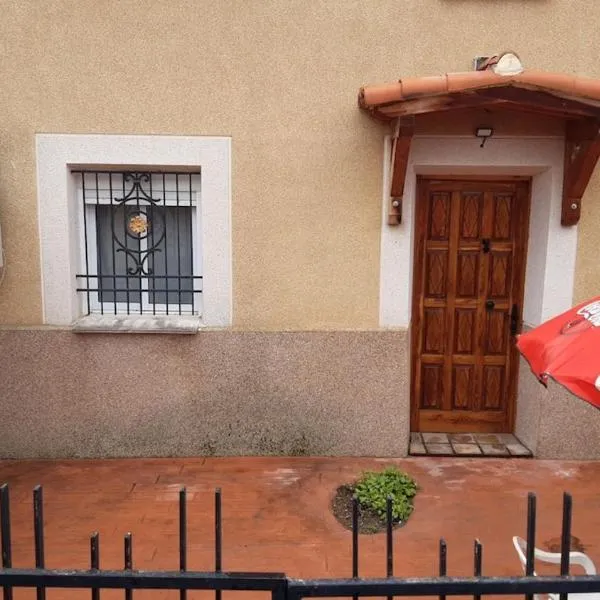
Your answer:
<point x="467" y="274"/>
<point x="437" y="273"/>
<point x="469" y="271"/>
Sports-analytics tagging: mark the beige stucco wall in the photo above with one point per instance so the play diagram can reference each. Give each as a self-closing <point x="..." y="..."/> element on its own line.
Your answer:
<point x="280" y="77"/>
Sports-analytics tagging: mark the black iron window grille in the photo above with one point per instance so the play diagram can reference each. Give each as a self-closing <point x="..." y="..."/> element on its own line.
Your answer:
<point x="142" y="252"/>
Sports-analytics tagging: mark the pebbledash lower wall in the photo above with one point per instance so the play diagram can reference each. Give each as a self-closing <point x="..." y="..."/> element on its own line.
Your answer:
<point x="219" y="392"/>
<point x="222" y="392"/>
<point x="554" y="423"/>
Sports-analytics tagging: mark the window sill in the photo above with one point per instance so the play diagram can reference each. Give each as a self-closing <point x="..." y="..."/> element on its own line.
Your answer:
<point x="180" y="324"/>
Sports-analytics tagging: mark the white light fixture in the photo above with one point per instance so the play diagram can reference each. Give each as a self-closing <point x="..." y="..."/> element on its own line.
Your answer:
<point x="508" y="63"/>
<point x="484" y="133"/>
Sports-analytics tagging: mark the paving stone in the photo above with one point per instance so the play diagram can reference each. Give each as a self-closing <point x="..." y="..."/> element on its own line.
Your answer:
<point x="466" y="449"/>
<point x="518" y="450"/>
<point x="439" y="448"/>
<point x="417" y="448"/>
<point x="487" y="438"/>
<point x="415" y="436"/>
<point x="506" y="438"/>
<point x="435" y="438"/>
<point x="494" y="449"/>
<point x="462" y="438"/>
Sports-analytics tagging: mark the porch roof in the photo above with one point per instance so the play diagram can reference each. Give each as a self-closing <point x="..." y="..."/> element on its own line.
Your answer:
<point x="499" y="82"/>
<point x="555" y="94"/>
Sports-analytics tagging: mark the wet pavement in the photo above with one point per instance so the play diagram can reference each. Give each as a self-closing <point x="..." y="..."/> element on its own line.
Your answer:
<point x="276" y="514"/>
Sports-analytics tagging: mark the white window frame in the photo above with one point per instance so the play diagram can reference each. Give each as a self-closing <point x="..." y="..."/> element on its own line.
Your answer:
<point x="60" y="214"/>
<point x="146" y="307"/>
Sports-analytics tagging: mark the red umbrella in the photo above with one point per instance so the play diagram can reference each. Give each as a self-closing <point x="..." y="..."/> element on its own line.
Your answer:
<point x="567" y="349"/>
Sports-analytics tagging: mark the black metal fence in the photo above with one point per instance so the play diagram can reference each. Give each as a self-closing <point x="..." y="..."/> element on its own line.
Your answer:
<point x="279" y="585"/>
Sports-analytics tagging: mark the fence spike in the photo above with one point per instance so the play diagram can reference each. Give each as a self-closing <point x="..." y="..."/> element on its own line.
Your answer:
<point x="38" y="534"/>
<point x="389" y="546"/>
<point x="5" y="537"/>
<point x="355" y="539"/>
<point x="565" y="545"/>
<point x="565" y="542"/>
<point x="182" y="536"/>
<point x="443" y="562"/>
<point x="128" y="561"/>
<point x="95" y="560"/>
<point x="531" y="525"/>
<point x="477" y="562"/>
<point x="218" y="538"/>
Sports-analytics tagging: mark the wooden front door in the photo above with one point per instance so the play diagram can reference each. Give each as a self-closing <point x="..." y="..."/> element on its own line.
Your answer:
<point x="469" y="271"/>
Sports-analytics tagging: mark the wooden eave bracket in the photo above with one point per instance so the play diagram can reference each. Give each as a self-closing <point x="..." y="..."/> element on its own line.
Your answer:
<point x="403" y="134"/>
<point x="582" y="150"/>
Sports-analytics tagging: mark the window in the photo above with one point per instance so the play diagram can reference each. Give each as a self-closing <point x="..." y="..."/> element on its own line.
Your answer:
<point x="154" y="271"/>
<point x="141" y="255"/>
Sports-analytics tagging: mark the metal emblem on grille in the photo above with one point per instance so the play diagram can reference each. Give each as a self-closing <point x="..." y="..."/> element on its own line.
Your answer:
<point x="138" y="224"/>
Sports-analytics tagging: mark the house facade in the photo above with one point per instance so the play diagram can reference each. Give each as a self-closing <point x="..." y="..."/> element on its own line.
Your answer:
<point x="291" y="228"/>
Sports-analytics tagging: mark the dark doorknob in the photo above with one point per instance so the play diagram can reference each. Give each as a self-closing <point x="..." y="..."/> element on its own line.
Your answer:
<point x="485" y="244"/>
<point x="489" y="305"/>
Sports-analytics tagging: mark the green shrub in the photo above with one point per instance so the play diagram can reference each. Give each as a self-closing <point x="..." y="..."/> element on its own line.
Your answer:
<point x="373" y="489"/>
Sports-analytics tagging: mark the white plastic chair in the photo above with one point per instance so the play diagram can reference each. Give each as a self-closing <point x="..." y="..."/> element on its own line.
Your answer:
<point x="575" y="558"/>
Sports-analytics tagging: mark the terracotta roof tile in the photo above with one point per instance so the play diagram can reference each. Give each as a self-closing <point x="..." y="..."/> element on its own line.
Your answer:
<point x="418" y="86"/>
<point x="579" y="89"/>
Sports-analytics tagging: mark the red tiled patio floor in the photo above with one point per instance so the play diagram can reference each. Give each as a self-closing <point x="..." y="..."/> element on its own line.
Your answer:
<point x="276" y="513"/>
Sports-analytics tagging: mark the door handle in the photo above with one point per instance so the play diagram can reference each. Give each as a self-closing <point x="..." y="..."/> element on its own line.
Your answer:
<point x="514" y="320"/>
<point x="489" y="305"/>
<point x="485" y="244"/>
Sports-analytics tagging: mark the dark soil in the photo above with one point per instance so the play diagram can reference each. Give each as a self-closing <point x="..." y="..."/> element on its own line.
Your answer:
<point x="368" y="520"/>
<point x="554" y="544"/>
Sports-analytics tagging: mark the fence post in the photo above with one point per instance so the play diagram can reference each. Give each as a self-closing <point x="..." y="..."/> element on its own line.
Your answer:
<point x="477" y="562"/>
<point x="38" y="532"/>
<point x="5" y="535"/>
<point x="389" y="546"/>
<point x="355" y="539"/>
<point x="565" y="545"/>
<point x="128" y="561"/>
<point x="443" y="563"/>
<point x="95" y="560"/>
<point x="218" y="538"/>
<point x="182" y="536"/>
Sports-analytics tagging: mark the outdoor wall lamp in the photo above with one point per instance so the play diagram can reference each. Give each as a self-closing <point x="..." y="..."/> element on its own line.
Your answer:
<point x="484" y="133"/>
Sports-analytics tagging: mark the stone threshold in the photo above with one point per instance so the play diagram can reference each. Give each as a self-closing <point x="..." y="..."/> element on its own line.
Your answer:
<point x="467" y="445"/>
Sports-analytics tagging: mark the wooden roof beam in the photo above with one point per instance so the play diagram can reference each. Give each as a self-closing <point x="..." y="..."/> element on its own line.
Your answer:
<point x="399" y="163"/>
<point x="541" y="101"/>
<point x="421" y="106"/>
<point x="582" y="150"/>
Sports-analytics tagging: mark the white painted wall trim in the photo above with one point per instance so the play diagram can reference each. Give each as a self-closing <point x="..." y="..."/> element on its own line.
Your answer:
<point x="59" y="221"/>
<point x="550" y="270"/>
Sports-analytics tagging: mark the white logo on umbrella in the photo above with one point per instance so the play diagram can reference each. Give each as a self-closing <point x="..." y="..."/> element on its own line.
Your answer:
<point x="591" y="312"/>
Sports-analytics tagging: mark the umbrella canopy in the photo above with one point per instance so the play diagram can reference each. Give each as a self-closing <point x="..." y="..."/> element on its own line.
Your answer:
<point x="567" y="349"/>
